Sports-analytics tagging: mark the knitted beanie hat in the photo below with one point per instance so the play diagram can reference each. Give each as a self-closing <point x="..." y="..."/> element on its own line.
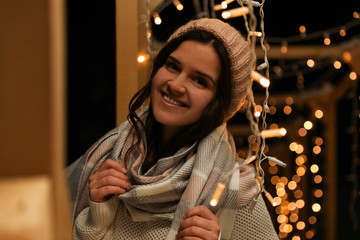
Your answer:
<point x="238" y="51"/>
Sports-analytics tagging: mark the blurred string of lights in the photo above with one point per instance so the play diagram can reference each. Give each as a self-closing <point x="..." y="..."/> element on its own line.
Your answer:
<point x="289" y="200"/>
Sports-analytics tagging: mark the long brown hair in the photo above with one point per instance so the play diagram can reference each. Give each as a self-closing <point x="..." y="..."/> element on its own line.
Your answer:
<point x="213" y="116"/>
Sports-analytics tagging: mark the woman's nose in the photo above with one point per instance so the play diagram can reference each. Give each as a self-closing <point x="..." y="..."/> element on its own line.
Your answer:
<point x="178" y="84"/>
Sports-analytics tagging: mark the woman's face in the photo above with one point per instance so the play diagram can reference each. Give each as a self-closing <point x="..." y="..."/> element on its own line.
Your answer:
<point x="184" y="86"/>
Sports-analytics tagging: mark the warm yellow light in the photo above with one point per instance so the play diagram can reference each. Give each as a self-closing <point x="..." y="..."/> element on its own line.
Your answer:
<point x="300" y="225"/>
<point x="337" y="64"/>
<point x="273" y="170"/>
<point x="312" y="220"/>
<point x="284" y="180"/>
<point x="274" y="180"/>
<point x="319" y="141"/>
<point x="356" y="15"/>
<point x="318" y="193"/>
<point x="316" y="207"/>
<point x="300" y="203"/>
<point x="353" y="76"/>
<point x="347" y="56"/>
<point x="256" y="34"/>
<point x="342" y="32"/>
<point x="309" y="234"/>
<point x="300" y="160"/>
<point x="260" y="79"/>
<point x="294" y="217"/>
<point x="327" y="41"/>
<point x="142" y="58"/>
<point x="236" y="12"/>
<point x="299" y="149"/>
<point x="310" y="63"/>
<point x="292" y="206"/>
<point x="317" y="179"/>
<point x="269" y="133"/>
<point x="289" y="100"/>
<point x="301" y="171"/>
<point x="298" y="194"/>
<point x="293" y="146"/>
<point x="277" y="200"/>
<point x="280" y="185"/>
<point x="302" y="29"/>
<point x="308" y="125"/>
<point x="270" y="198"/>
<point x="314" y="168"/>
<point x="178" y="5"/>
<point x="272" y="110"/>
<point x="287" y="110"/>
<point x="316" y="150"/>
<point x="284" y="47"/>
<point x="296" y="238"/>
<point x="281" y="218"/>
<point x="280" y="192"/>
<point x="292" y="185"/>
<point x="302" y="132"/>
<point x="216" y="196"/>
<point x="157" y="18"/>
<point x="319" y="114"/>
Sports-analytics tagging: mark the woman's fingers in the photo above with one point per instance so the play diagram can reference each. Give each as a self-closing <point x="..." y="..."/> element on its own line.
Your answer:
<point x="109" y="163"/>
<point x="199" y="223"/>
<point x="109" y="179"/>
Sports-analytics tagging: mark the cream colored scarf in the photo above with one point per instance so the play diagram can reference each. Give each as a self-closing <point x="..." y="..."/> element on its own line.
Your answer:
<point x="174" y="184"/>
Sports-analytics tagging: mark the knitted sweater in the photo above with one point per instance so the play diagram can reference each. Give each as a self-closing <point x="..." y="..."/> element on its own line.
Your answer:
<point x="108" y="221"/>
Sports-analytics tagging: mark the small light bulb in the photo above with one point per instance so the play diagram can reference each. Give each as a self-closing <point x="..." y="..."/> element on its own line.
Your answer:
<point x="327" y="40"/>
<point x="337" y="64"/>
<point x="217" y="194"/>
<point x="157" y="18"/>
<point x="353" y="76"/>
<point x="178" y="5"/>
<point x="237" y="12"/>
<point x="342" y="32"/>
<point x="260" y="79"/>
<point x="310" y="63"/>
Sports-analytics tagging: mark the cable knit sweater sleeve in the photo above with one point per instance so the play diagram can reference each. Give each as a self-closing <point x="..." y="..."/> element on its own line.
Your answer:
<point x="94" y="222"/>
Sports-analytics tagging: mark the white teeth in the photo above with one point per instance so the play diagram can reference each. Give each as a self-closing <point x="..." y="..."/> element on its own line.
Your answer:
<point x="172" y="101"/>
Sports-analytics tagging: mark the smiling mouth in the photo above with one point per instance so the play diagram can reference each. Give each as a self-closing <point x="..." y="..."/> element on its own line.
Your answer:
<point x="172" y="101"/>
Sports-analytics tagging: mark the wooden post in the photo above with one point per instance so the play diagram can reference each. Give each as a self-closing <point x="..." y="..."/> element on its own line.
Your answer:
<point x="34" y="200"/>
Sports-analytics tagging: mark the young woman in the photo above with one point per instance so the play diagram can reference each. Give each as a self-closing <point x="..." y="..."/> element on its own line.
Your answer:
<point x="153" y="176"/>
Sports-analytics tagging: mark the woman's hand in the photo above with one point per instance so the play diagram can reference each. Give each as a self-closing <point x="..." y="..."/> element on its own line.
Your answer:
<point x="109" y="179"/>
<point x="199" y="223"/>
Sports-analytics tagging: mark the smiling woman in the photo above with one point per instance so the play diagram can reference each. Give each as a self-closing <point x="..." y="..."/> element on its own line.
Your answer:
<point x="152" y="177"/>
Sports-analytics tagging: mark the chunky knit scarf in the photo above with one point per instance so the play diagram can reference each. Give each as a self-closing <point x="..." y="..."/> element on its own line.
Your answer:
<point x="173" y="185"/>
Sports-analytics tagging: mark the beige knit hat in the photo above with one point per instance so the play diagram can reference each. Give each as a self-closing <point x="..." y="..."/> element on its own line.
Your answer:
<point x="239" y="54"/>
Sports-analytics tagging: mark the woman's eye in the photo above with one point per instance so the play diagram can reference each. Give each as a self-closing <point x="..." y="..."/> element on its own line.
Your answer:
<point x="171" y="66"/>
<point x="201" y="82"/>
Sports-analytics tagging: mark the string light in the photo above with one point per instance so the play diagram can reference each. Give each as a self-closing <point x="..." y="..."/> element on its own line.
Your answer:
<point x="342" y="32"/>
<point x="270" y="133"/>
<point x="310" y="63"/>
<point x="308" y="125"/>
<point x="143" y="58"/>
<point x="327" y="40"/>
<point x="236" y="12"/>
<point x="284" y="47"/>
<point x="260" y="79"/>
<point x="223" y="5"/>
<point x="353" y="76"/>
<point x="216" y="196"/>
<point x="337" y="64"/>
<point x="157" y="19"/>
<point x="178" y="5"/>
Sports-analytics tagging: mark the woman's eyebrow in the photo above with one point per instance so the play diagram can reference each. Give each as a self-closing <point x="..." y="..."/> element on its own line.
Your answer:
<point x="197" y="72"/>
